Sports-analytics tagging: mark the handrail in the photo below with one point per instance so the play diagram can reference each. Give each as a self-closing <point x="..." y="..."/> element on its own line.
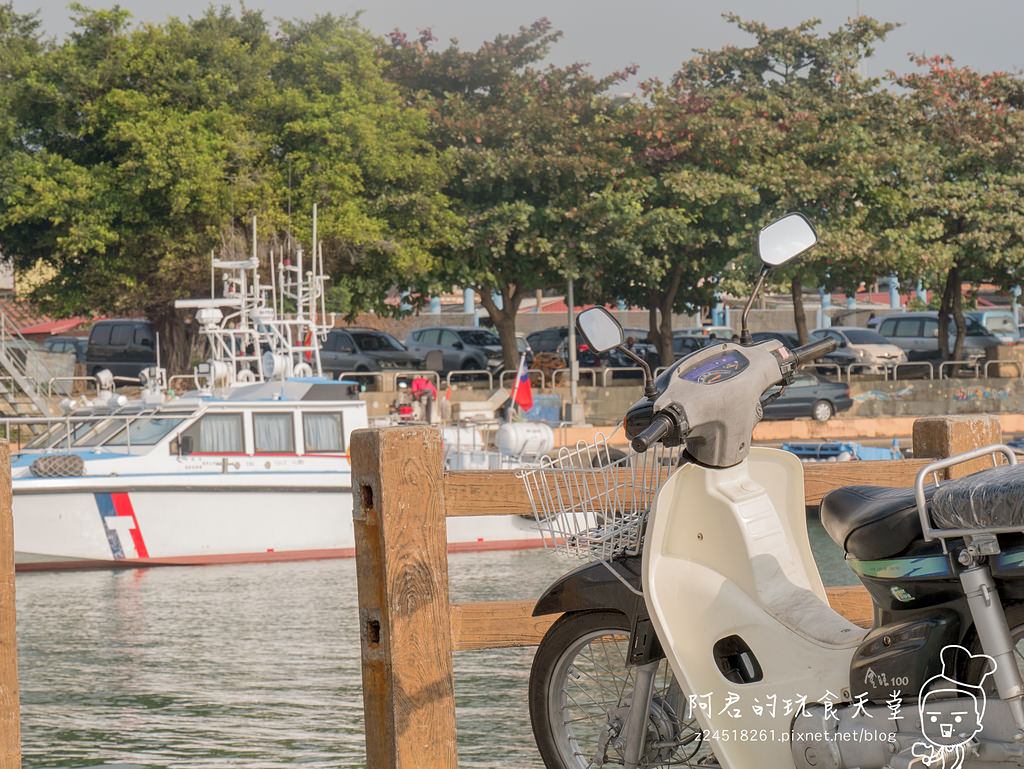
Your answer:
<point x="905" y="364"/>
<point x="609" y="373"/>
<point x="376" y="376"/>
<point x="1017" y="363"/>
<point x="591" y="371"/>
<point x="514" y="374"/>
<point x="828" y="366"/>
<point x="490" y="376"/>
<point x="969" y="363"/>
<point x="851" y="366"/>
<point x="51" y="380"/>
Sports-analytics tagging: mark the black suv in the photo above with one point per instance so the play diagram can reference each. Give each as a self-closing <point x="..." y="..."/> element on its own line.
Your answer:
<point x="123" y="346"/>
<point x="365" y="349"/>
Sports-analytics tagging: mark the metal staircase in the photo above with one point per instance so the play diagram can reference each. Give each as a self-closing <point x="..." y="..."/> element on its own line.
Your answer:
<point x="24" y="377"/>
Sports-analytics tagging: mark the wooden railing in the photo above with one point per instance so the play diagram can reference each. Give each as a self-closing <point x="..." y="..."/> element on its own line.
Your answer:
<point x="408" y="629"/>
<point x="10" y="704"/>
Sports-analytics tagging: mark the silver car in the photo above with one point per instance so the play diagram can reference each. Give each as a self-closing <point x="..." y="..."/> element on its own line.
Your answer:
<point x="873" y="352"/>
<point x="917" y="334"/>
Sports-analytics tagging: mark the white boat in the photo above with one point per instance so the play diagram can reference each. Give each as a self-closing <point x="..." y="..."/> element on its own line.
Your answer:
<point x="251" y="466"/>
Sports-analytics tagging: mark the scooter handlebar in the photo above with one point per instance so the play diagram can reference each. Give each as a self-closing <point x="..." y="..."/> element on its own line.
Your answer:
<point x="808" y="352"/>
<point x="661" y="425"/>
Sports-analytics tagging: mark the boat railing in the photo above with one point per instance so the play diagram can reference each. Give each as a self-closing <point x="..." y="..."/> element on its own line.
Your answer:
<point x="66" y="440"/>
<point x="72" y="379"/>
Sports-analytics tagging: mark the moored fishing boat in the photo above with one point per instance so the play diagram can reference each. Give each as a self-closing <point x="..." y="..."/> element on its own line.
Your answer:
<point x="252" y="465"/>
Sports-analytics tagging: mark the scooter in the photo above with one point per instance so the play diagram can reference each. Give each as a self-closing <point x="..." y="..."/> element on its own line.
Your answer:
<point x="712" y="642"/>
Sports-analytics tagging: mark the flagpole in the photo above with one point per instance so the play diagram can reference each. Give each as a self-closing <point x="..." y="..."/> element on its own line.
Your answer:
<point x="515" y="387"/>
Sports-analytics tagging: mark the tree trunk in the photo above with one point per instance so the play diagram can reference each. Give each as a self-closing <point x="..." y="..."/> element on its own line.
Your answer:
<point x="174" y="343"/>
<point x="958" y="314"/>
<point x="950" y="291"/>
<point x="797" y="291"/>
<point x="504" y="320"/>
<point x="656" y="333"/>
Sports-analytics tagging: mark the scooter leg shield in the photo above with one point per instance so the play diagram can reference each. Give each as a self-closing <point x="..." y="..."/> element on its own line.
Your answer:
<point x="721" y="568"/>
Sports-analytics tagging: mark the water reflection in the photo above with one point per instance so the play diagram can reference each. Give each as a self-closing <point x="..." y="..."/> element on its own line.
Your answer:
<point x="253" y="665"/>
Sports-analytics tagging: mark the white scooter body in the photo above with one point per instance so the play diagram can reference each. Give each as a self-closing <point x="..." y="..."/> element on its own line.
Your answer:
<point x="727" y="553"/>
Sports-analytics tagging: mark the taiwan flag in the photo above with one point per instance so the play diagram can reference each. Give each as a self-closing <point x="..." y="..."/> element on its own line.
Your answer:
<point x="523" y="393"/>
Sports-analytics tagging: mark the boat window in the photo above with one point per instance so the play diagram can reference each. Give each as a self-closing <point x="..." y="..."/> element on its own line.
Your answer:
<point x="145" y="432"/>
<point x="323" y="432"/>
<point x="273" y="433"/>
<point x="214" y="434"/>
<point x="55" y="433"/>
<point x="96" y="432"/>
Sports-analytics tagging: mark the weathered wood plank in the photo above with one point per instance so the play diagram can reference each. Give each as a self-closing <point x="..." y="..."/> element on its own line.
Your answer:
<point x="499" y="492"/>
<point x="10" y="706"/>
<point x="497" y="625"/>
<point x="821" y="477"/>
<point x="505" y="624"/>
<point x="404" y="615"/>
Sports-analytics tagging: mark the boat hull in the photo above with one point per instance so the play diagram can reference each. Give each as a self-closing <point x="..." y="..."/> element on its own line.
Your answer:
<point x="74" y="524"/>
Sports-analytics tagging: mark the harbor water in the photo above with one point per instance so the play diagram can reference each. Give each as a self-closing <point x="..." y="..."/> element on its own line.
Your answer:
<point x="251" y="665"/>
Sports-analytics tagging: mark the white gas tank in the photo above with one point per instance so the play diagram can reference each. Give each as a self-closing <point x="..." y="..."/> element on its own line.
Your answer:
<point x="525" y="439"/>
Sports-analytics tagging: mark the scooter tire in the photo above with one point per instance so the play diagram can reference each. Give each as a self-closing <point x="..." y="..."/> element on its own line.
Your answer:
<point x="590" y="648"/>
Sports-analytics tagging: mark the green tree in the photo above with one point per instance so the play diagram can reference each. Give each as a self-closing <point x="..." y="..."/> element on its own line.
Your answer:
<point x="807" y="132"/>
<point x="531" y="147"/>
<point x="960" y="206"/>
<point x="135" y="152"/>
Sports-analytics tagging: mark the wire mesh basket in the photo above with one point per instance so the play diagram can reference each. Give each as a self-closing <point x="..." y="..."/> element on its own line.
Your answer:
<point x="592" y="501"/>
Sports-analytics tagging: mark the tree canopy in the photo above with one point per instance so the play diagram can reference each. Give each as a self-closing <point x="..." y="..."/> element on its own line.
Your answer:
<point x="129" y="152"/>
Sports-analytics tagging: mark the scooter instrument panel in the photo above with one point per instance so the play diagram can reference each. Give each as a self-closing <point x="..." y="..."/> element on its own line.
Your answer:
<point x="718" y="369"/>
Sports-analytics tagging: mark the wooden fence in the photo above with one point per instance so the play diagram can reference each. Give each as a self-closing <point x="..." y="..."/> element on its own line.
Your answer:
<point x="408" y="629"/>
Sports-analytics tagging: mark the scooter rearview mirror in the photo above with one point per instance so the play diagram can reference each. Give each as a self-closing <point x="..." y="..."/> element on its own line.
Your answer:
<point x="600" y="329"/>
<point x="785" y="239"/>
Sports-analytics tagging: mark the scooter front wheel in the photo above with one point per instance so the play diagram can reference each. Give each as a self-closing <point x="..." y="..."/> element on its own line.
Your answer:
<point x="581" y="688"/>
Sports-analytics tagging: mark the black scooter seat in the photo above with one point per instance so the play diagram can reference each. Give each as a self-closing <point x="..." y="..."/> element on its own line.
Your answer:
<point x="871" y="522"/>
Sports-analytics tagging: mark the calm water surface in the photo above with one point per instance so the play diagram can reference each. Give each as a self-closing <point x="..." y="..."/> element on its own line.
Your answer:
<point x="253" y="666"/>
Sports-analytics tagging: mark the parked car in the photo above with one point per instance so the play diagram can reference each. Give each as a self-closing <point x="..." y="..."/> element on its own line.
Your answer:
<point x="838" y="357"/>
<point x="365" y="349"/>
<point x="547" y="339"/>
<point x="463" y="348"/>
<point x="871" y="350"/>
<point x="1000" y="323"/>
<point x="523" y="348"/>
<point x="720" y="332"/>
<point x="642" y="345"/>
<point x="72" y="344"/>
<point x="810" y="395"/>
<point x="917" y="334"/>
<point x="684" y="344"/>
<point x="123" y="346"/>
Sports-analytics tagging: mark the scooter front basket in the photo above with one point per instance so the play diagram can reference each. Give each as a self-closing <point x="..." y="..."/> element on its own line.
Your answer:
<point x="592" y="501"/>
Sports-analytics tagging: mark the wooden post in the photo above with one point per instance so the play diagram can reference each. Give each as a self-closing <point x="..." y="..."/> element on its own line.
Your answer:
<point x="10" y="704"/>
<point x="941" y="437"/>
<point x="404" y="616"/>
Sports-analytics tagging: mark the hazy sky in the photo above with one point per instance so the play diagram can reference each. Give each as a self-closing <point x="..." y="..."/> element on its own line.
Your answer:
<point x="657" y="35"/>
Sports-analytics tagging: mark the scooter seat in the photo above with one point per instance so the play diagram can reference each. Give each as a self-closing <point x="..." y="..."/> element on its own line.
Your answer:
<point x="992" y="498"/>
<point x="871" y="522"/>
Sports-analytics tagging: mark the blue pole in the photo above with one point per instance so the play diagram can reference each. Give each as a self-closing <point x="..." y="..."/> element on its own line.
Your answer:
<point x="826" y="304"/>
<point x="921" y="293"/>
<point x="468" y="301"/>
<point x="894" y="292"/>
<point x="435" y="305"/>
<point x="1013" y="303"/>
